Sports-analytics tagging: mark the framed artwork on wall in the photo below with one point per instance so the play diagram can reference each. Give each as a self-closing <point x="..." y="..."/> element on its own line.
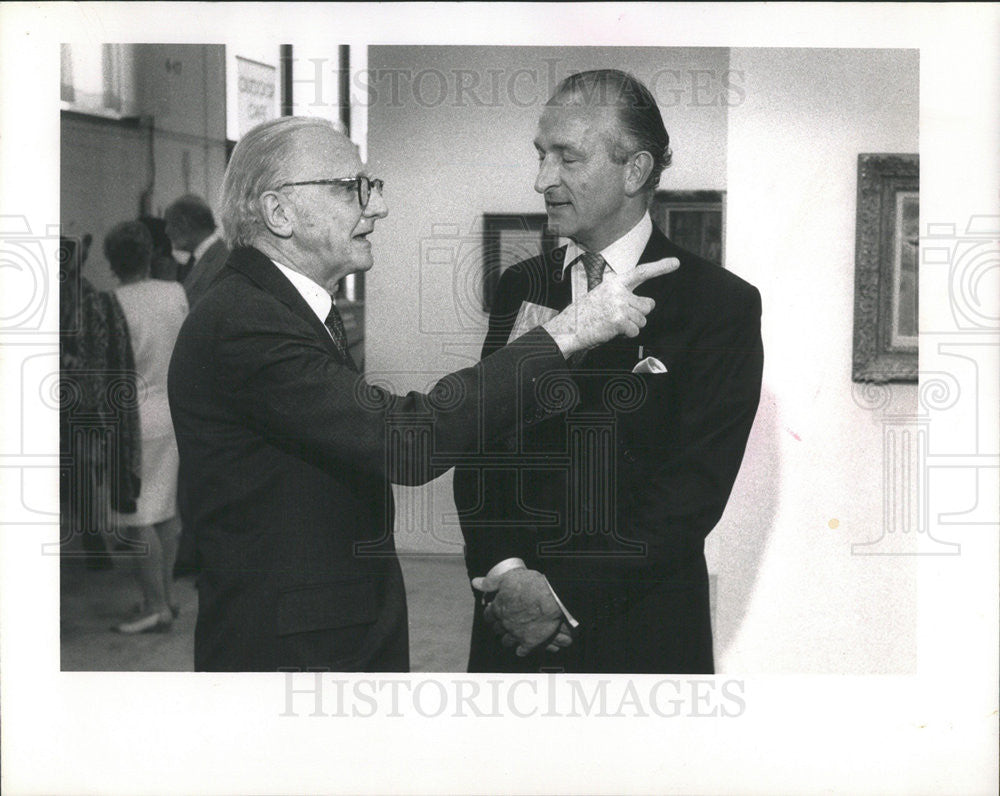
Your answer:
<point x="694" y="220"/>
<point x="509" y="238"/>
<point x="886" y="268"/>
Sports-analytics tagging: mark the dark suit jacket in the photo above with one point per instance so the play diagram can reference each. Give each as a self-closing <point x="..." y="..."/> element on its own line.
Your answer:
<point x="612" y="501"/>
<point x="204" y="271"/>
<point x="286" y="458"/>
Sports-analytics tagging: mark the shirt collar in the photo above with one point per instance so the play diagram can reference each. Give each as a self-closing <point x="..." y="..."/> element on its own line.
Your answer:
<point x="315" y="296"/>
<point x="201" y="248"/>
<point x="622" y="255"/>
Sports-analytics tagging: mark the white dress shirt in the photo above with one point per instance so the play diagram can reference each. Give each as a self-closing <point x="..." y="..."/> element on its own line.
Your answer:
<point x="621" y="256"/>
<point x="314" y="294"/>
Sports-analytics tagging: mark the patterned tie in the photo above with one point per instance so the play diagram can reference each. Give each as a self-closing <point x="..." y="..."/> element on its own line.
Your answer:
<point x="594" y="265"/>
<point x="336" y="327"/>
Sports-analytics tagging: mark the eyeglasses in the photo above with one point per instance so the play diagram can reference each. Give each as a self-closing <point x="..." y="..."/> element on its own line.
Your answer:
<point x="364" y="185"/>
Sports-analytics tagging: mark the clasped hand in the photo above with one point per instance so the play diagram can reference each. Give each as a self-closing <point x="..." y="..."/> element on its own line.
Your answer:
<point x="524" y="613"/>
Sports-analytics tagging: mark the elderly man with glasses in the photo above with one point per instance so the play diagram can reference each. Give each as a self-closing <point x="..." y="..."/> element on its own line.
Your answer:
<point x="287" y="454"/>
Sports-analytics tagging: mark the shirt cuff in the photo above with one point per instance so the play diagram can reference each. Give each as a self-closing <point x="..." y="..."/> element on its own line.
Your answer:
<point x="504" y="567"/>
<point x="569" y="617"/>
<point x="509" y="564"/>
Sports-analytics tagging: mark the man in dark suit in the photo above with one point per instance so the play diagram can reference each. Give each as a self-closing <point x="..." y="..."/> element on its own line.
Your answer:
<point x="191" y="228"/>
<point x="587" y="528"/>
<point x="286" y="453"/>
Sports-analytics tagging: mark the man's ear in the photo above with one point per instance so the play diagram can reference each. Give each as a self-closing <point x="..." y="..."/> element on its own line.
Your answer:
<point x="637" y="171"/>
<point x="277" y="213"/>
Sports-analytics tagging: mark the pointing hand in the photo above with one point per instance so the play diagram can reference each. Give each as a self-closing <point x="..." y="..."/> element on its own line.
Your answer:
<point x="610" y="309"/>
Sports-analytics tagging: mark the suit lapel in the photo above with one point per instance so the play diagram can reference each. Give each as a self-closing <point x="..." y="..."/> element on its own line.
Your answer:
<point x="262" y="272"/>
<point x="558" y="285"/>
<point x="657" y="248"/>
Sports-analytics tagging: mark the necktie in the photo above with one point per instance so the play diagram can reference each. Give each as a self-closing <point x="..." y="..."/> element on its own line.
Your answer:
<point x="336" y="327"/>
<point x="594" y="265"/>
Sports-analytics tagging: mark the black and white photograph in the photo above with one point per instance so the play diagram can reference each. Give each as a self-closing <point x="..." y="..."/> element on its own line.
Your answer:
<point x="415" y="397"/>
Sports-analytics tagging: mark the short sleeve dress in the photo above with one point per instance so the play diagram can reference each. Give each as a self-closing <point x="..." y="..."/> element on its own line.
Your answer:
<point x="154" y="311"/>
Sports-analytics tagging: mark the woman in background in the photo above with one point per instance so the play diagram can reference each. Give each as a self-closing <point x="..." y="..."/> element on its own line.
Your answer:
<point x="154" y="311"/>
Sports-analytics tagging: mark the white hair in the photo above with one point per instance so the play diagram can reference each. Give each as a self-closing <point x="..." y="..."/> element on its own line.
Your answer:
<point x="259" y="163"/>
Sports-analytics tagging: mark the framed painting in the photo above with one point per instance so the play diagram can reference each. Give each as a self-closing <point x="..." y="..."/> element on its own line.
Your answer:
<point x="886" y="268"/>
<point x="694" y="220"/>
<point x="509" y="238"/>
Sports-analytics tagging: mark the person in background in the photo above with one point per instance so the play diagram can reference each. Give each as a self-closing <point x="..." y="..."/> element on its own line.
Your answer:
<point x="163" y="265"/>
<point x="93" y="344"/>
<point x="99" y="435"/>
<point x="154" y="311"/>
<point x="190" y="226"/>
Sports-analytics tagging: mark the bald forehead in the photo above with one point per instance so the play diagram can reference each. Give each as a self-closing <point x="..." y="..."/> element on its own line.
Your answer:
<point x="322" y="152"/>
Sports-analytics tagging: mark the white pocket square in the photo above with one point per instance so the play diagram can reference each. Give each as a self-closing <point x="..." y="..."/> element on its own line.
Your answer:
<point x="649" y="365"/>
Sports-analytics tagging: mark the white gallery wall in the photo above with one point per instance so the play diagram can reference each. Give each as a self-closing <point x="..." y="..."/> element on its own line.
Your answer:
<point x="793" y="593"/>
<point x="450" y="131"/>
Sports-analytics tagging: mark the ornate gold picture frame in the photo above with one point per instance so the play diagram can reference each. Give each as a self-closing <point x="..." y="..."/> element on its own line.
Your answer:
<point x="886" y="268"/>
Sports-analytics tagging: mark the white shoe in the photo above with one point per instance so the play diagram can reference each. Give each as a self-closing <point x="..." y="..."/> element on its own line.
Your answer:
<point x="154" y="623"/>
